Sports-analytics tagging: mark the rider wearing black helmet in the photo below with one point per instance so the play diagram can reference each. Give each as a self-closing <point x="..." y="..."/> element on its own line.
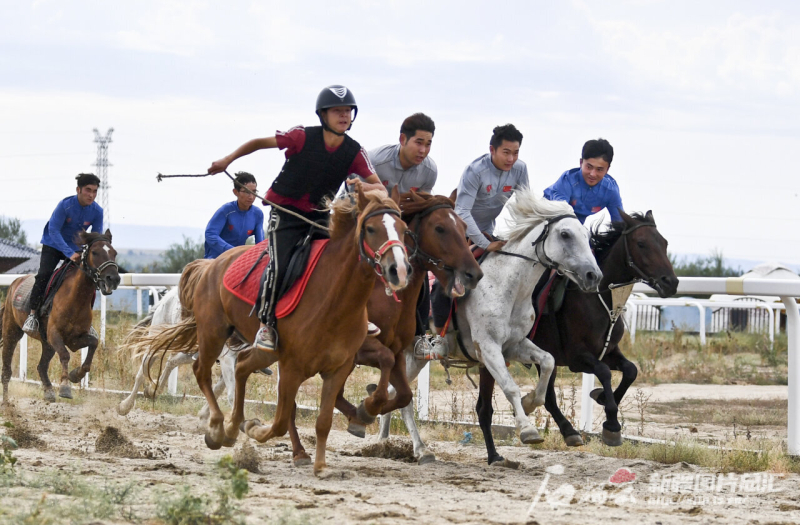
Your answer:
<point x="318" y="160"/>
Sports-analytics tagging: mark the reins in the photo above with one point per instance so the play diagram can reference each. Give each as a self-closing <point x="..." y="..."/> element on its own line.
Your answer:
<point x="543" y="259"/>
<point x="93" y="273"/>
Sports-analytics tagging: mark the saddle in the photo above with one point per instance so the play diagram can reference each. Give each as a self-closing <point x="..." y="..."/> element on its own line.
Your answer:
<point x="548" y="297"/>
<point x="243" y="277"/>
<point x="22" y="295"/>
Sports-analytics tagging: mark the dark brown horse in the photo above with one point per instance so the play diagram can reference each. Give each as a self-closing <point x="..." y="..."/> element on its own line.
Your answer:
<point x="629" y="251"/>
<point x="321" y="336"/>
<point x="438" y="244"/>
<point x="69" y="322"/>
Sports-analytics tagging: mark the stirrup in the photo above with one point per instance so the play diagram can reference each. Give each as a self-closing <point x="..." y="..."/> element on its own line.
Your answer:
<point x="93" y="332"/>
<point x="429" y="348"/>
<point x="373" y="330"/>
<point x="31" y="326"/>
<point x="264" y="339"/>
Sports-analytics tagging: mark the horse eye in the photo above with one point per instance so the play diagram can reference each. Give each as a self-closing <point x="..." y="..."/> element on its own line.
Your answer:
<point x="640" y="244"/>
<point x="439" y="229"/>
<point x="564" y="234"/>
<point x="370" y="230"/>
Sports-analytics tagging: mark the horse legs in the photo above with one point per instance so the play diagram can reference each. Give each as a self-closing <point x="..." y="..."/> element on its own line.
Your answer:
<point x="413" y="368"/>
<point x="401" y="387"/>
<point x="355" y="426"/>
<point x="571" y="436"/>
<point x="174" y="361"/>
<point x="210" y="345"/>
<point x="249" y="361"/>
<point x="527" y="352"/>
<point x="300" y="457"/>
<point x="44" y="364"/>
<point x="288" y="384"/>
<point x="126" y="404"/>
<point x="79" y="372"/>
<point x="496" y="365"/>
<point x="485" y="410"/>
<point x="616" y="361"/>
<point x="612" y="431"/>
<point x="374" y="354"/>
<point x="55" y="340"/>
<point x="11" y="336"/>
<point x="227" y="367"/>
<point x="331" y="385"/>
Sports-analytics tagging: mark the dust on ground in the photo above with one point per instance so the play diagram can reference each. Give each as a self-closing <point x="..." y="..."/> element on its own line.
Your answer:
<point x="567" y="487"/>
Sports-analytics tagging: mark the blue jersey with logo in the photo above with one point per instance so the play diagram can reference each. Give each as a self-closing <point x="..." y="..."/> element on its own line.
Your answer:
<point x="585" y="199"/>
<point x="67" y="220"/>
<point x="231" y="227"/>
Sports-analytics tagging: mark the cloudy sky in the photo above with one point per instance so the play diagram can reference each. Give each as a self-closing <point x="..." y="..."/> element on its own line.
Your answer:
<point x="701" y="100"/>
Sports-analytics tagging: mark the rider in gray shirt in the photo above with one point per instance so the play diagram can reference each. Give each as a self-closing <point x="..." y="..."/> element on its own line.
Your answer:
<point x="407" y="165"/>
<point x="488" y="182"/>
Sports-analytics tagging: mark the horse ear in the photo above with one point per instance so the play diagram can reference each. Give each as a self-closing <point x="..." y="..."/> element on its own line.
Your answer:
<point x="649" y="216"/>
<point x="107" y="234"/>
<point x="363" y="201"/>
<point x="416" y="197"/>
<point x="454" y="195"/>
<point x="396" y="195"/>
<point x="625" y="217"/>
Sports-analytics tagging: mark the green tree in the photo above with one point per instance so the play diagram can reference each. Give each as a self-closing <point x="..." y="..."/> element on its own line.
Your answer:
<point x="711" y="266"/>
<point x="177" y="256"/>
<point x="11" y="229"/>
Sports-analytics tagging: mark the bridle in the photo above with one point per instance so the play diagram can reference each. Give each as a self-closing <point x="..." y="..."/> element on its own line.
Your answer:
<point x="643" y="277"/>
<point x="373" y="258"/>
<point x="418" y="252"/>
<point x="92" y="272"/>
<point x="541" y="254"/>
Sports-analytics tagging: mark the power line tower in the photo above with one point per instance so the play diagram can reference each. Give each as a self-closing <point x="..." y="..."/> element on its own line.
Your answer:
<point x="102" y="172"/>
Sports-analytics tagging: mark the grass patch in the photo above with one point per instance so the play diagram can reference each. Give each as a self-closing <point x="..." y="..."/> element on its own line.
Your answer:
<point x="728" y="412"/>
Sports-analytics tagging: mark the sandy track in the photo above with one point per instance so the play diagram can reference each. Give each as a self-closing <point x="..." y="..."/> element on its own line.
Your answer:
<point x="459" y="488"/>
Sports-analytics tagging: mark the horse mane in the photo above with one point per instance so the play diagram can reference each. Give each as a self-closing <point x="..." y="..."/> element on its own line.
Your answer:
<point x="527" y="211"/>
<point x="346" y="213"/>
<point x="414" y="203"/>
<point x="602" y="241"/>
<point x="88" y="238"/>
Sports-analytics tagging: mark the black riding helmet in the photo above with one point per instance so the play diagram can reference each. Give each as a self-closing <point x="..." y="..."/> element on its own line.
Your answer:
<point x="334" y="96"/>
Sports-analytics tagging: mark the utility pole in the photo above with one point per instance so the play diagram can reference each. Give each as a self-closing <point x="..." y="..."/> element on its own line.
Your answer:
<point x="102" y="172"/>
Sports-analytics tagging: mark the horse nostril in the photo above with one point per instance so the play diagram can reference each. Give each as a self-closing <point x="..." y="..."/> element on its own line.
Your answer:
<point x="393" y="271"/>
<point x="591" y="277"/>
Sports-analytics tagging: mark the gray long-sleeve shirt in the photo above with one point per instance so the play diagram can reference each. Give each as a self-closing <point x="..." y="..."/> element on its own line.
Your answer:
<point x="386" y="160"/>
<point x="482" y="193"/>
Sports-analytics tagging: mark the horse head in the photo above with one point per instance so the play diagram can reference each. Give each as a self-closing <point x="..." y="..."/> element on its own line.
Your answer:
<point x="380" y="230"/>
<point x="646" y="253"/>
<point x="559" y="240"/>
<point x="440" y="240"/>
<point x="98" y="260"/>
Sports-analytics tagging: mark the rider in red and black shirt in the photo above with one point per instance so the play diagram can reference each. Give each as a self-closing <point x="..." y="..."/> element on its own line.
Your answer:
<point x="318" y="160"/>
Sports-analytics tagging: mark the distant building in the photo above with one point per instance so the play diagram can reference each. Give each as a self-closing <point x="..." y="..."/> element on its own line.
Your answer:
<point x="17" y="258"/>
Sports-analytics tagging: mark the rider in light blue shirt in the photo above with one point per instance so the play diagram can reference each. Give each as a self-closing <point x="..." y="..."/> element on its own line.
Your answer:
<point x="235" y="221"/>
<point x="589" y="188"/>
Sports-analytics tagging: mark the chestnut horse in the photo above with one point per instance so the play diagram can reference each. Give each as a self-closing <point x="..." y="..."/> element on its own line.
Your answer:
<point x="69" y="322"/>
<point x="321" y="336"/>
<point x="439" y="239"/>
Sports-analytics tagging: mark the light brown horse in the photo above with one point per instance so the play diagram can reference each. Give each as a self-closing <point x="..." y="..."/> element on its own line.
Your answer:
<point x="321" y="336"/>
<point x="69" y="322"/>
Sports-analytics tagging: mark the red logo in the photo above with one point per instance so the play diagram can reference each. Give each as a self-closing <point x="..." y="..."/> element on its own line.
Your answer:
<point x="250" y="232"/>
<point x="87" y="223"/>
<point x="415" y="188"/>
<point x="230" y="227"/>
<point x="596" y="209"/>
<point x="69" y="219"/>
<point x="622" y="475"/>
<point x="506" y="188"/>
<point x="386" y="183"/>
<point x="573" y="202"/>
<point x="489" y="188"/>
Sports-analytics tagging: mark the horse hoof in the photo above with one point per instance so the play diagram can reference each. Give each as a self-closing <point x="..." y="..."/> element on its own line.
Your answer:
<point x="357" y="430"/>
<point x="49" y="395"/>
<point x="75" y="375"/>
<point x="505" y="463"/>
<point x="65" y="392"/>
<point x="149" y="392"/>
<point x="426" y="458"/>
<point x="575" y="440"/>
<point x="228" y="441"/>
<point x="210" y="443"/>
<point x="364" y="416"/>
<point x="302" y="460"/>
<point x="612" y="439"/>
<point x="530" y="436"/>
<point x="122" y="410"/>
<point x="244" y="426"/>
<point x="372" y="387"/>
<point x="595" y="394"/>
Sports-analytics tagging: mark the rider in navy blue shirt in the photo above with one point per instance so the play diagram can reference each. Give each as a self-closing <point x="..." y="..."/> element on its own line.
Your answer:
<point x="235" y="221"/>
<point x="589" y="188"/>
<point x="72" y="215"/>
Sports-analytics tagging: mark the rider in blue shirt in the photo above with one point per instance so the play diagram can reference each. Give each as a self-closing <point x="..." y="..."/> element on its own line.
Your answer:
<point x="235" y="221"/>
<point x="72" y="215"/>
<point x="589" y="188"/>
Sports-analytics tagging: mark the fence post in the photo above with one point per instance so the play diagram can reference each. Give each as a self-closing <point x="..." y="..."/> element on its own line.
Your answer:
<point x="702" y="311"/>
<point x="172" y="382"/>
<point x="85" y="380"/>
<point x="423" y="391"/>
<point x="138" y="304"/>
<point x="793" y="336"/>
<point x="633" y="318"/>
<point x="587" y="403"/>
<point x="103" y="320"/>
<point x="23" y="358"/>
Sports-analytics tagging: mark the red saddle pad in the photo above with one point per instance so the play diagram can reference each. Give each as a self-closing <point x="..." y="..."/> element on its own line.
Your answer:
<point x="247" y="291"/>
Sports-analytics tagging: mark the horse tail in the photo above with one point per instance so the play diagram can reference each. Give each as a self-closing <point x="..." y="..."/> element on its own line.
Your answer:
<point x="133" y="342"/>
<point x="188" y="283"/>
<point x="174" y="338"/>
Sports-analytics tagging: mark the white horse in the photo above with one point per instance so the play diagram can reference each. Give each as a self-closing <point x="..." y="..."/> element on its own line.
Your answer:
<point x="168" y="312"/>
<point x="494" y="320"/>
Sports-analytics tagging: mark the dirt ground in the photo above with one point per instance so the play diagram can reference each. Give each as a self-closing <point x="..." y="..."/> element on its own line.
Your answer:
<point x="161" y="453"/>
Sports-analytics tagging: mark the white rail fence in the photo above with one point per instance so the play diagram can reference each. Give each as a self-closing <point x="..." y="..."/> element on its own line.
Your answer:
<point x="787" y="291"/>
